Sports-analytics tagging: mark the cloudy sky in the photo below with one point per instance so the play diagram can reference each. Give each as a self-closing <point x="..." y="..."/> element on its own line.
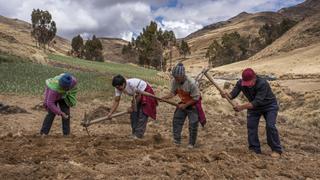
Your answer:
<point x="126" y="18"/>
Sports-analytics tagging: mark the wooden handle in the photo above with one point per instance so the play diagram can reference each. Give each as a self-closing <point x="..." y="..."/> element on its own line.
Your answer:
<point x="158" y="98"/>
<point x="105" y="118"/>
<point x="220" y="90"/>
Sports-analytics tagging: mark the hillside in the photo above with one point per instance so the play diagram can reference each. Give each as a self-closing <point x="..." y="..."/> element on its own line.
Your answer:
<point x="245" y="23"/>
<point x="15" y="39"/>
<point x="303" y="34"/>
<point x="301" y="11"/>
<point x="112" y="49"/>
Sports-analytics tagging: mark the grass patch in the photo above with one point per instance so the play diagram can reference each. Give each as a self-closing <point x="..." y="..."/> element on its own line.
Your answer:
<point x="112" y="68"/>
<point x="23" y="77"/>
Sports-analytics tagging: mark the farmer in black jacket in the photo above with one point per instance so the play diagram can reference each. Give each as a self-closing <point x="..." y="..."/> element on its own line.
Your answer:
<point x="262" y="102"/>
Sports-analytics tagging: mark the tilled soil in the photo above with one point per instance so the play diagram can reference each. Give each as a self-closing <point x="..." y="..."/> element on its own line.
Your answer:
<point x="99" y="112"/>
<point x="110" y="152"/>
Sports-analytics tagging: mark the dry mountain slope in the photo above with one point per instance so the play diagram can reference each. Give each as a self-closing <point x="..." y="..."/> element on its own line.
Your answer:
<point x="112" y="49"/>
<point x="300" y="11"/>
<point x="300" y="62"/>
<point x="305" y="33"/>
<point x="246" y="24"/>
<point x="15" y="39"/>
<point x="296" y="52"/>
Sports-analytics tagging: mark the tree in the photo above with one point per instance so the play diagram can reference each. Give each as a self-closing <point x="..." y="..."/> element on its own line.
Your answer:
<point x="214" y="53"/>
<point x="156" y="54"/>
<point x="93" y="49"/>
<point x="149" y="47"/>
<point x="184" y="49"/>
<point x="268" y="33"/>
<point x="43" y="28"/>
<point x="169" y="40"/>
<point x="77" y="46"/>
<point x="285" y="25"/>
<point x="233" y="47"/>
<point x="271" y="32"/>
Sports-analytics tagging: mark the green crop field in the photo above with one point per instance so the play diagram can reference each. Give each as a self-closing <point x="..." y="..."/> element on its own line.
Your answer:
<point x="23" y="77"/>
<point x="111" y="68"/>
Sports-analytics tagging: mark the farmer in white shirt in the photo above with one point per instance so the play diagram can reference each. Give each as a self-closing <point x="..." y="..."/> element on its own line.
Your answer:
<point x="141" y="107"/>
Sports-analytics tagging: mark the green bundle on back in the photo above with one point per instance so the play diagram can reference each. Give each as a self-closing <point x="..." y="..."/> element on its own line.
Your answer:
<point x="68" y="95"/>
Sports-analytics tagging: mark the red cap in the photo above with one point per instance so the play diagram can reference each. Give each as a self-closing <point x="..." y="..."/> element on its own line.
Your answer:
<point x="247" y="76"/>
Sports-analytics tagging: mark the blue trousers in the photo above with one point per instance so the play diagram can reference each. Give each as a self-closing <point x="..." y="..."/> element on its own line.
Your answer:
<point x="139" y="121"/>
<point x="270" y="115"/>
<point x="48" y="120"/>
<point x="179" y="118"/>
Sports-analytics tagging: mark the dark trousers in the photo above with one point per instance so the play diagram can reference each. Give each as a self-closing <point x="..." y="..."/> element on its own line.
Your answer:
<point x="178" y="122"/>
<point x="47" y="123"/>
<point x="270" y="115"/>
<point x="139" y="121"/>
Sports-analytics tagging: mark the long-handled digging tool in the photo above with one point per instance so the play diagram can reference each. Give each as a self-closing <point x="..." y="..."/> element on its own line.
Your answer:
<point x="86" y="122"/>
<point x="163" y="100"/>
<point x="199" y="76"/>
<point x="205" y="72"/>
<point x="197" y="79"/>
<point x="158" y="98"/>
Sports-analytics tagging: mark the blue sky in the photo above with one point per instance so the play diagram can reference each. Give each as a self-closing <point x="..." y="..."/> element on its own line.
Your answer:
<point x="126" y="18"/>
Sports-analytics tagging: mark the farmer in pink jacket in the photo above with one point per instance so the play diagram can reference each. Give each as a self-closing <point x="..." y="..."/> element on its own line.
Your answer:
<point x="60" y="95"/>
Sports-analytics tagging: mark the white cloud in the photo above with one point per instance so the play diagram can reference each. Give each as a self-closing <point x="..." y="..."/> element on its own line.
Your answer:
<point x="181" y="28"/>
<point x="67" y="15"/>
<point x="86" y="35"/>
<point x="190" y="15"/>
<point x="126" y="35"/>
<point x="114" y="18"/>
<point x="69" y="23"/>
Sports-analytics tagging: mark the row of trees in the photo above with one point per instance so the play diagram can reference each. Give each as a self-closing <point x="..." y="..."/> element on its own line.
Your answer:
<point x="233" y="47"/>
<point x="153" y="47"/>
<point x="91" y="49"/>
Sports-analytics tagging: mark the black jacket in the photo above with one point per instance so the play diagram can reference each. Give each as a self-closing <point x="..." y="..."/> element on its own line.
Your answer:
<point x="260" y="95"/>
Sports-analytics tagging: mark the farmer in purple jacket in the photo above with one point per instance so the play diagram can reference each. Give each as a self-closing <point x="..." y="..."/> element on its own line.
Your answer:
<point x="60" y="90"/>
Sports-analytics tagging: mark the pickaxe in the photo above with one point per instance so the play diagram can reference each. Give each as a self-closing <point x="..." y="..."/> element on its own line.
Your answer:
<point x="205" y="72"/>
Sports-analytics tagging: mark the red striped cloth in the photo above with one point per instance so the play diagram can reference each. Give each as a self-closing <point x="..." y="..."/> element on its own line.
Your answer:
<point x="202" y="116"/>
<point x="149" y="104"/>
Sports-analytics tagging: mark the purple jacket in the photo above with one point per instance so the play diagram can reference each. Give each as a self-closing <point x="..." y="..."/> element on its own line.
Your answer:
<point x="51" y="98"/>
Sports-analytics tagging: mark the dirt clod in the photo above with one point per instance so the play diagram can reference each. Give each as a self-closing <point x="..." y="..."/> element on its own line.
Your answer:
<point x="157" y="138"/>
<point x="101" y="111"/>
<point x="7" y="109"/>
